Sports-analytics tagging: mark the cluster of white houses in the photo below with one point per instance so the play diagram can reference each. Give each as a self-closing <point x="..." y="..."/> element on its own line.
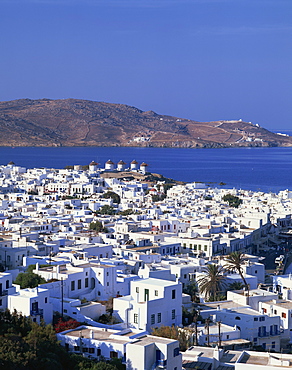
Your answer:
<point x="144" y="261"/>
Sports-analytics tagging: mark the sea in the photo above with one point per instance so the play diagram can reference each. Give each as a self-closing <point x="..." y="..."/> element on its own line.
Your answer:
<point x="256" y="169"/>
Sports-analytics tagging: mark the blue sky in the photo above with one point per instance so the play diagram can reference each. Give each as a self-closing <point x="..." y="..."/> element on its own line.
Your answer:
<point x="198" y="59"/>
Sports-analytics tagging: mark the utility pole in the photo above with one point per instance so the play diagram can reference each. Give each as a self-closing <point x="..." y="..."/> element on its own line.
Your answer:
<point x="207" y="326"/>
<point x="62" y="298"/>
<point x="196" y="316"/>
<point x="219" y="333"/>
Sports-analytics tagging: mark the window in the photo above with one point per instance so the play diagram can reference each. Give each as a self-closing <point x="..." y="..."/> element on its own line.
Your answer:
<point x="76" y="348"/>
<point x="46" y="300"/>
<point x="262" y="318"/>
<point x="107" y="274"/>
<point x="185" y="276"/>
<point x="7" y="284"/>
<point x="172" y="314"/>
<point x="84" y="349"/>
<point x="107" y="284"/>
<point x="205" y="248"/>
<point x="227" y="336"/>
<point x="152" y="319"/>
<point x="273" y="344"/>
<point x="65" y="311"/>
<point x="72" y="285"/>
<point x="79" y="284"/>
<point x="173" y="294"/>
<point x="137" y="289"/>
<point x="275" y="312"/>
<point x="176" y="352"/>
<point x="91" y="350"/>
<point x="98" y="351"/>
<point x="113" y="354"/>
<point x="86" y="282"/>
<point x="135" y="318"/>
<point x="159" y="317"/>
<point x="237" y="318"/>
<point x="156" y="293"/>
<point x="284" y="315"/>
<point x="264" y="310"/>
<point x="255" y="319"/>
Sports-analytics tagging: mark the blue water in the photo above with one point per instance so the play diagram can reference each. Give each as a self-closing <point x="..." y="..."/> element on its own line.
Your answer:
<point x="266" y="169"/>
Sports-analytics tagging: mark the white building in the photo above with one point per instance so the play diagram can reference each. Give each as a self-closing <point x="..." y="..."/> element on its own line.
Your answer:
<point x="136" y="349"/>
<point x="34" y="302"/>
<point x="151" y="303"/>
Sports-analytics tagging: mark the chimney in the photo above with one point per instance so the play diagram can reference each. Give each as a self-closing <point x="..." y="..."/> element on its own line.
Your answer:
<point x="91" y="334"/>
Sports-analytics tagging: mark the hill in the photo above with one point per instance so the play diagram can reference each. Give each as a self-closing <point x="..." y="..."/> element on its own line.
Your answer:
<point x="73" y="122"/>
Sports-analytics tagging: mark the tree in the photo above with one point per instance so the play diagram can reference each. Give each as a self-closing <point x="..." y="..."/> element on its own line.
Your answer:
<point x="126" y="212"/>
<point x="235" y="261"/>
<point x="232" y="200"/>
<point x="114" y="196"/>
<point x="173" y="332"/>
<point x="192" y="290"/>
<point x="236" y="285"/>
<point x="29" y="280"/>
<point x="213" y="283"/>
<point x="107" y="210"/>
<point x="98" y="227"/>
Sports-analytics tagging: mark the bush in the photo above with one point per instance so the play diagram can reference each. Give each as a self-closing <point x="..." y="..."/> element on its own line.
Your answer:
<point x="29" y="280"/>
<point x="114" y="196"/>
<point x="232" y="200"/>
<point x="98" y="227"/>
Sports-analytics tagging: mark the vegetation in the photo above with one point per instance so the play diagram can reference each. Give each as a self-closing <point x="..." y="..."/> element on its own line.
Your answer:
<point x="232" y="200"/>
<point x="158" y="197"/>
<point x="25" y="345"/>
<point x="235" y="261"/>
<point x="127" y="212"/>
<point x="236" y="285"/>
<point x="212" y="284"/>
<point x="107" y="318"/>
<point x="107" y="210"/>
<point x="192" y="290"/>
<point x="114" y="196"/>
<point x="173" y="332"/>
<point x="32" y="267"/>
<point x="66" y="325"/>
<point x="98" y="227"/>
<point x="29" y="280"/>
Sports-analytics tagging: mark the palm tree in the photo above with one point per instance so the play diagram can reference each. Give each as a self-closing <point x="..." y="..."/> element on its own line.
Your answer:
<point x="213" y="282"/>
<point x="236" y="285"/>
<point x="235" y="261"/>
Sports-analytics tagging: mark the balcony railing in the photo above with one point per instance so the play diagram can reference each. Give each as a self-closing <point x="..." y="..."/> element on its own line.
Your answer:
<point x="38" y="312"/>
<point x="269" y="334"/>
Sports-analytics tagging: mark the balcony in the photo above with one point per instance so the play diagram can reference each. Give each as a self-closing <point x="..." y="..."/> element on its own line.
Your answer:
<point x="269" y="334"/>
<point x="3" y="293"/>
<point x="38" y="312"/>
